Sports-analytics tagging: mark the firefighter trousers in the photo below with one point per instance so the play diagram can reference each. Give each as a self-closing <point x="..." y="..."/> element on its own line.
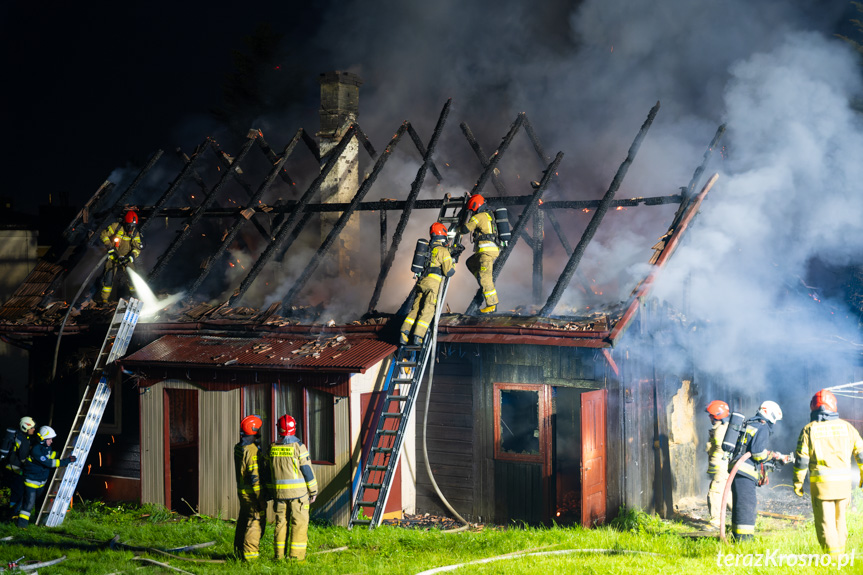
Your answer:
<point x="422" y="312"/>
<point x="829" y="515"/>
<point x="112" y="268"/>
<point x="714" y="495"/>
<point x="250" y="528"/>
<point x="745" y="507"/>
<point x="481" y="265"/>
<point x="28" y="504"/>
<point x="296" y="513"/>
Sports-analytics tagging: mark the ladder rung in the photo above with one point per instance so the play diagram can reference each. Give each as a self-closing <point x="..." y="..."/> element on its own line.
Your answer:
<point x="398" y="397"/>
<point x="376" y="467"/>
<point x="383" y="450"/>
<point x="406" y="364"/>
<point x="367" y="503"/>
<point x="392" y="414"/>
<point x="388" y="432"/>
<point x="362" y="521"/>
<point x="372" y="485"/>
<point x="403" y="380"/>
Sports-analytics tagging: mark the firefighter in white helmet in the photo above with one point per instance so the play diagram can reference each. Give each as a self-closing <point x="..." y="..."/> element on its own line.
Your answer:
<point x="41" y="462"/>
<point x="825" y="449"/>
<point x="294" y="489"/>
<point x="754" y="439"/>
<point x="717" y="464"/>
<point x="14" y="451"/>
<point x="252" y="475"/>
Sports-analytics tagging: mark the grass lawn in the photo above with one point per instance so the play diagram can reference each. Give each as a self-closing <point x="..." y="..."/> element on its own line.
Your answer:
<point x="661" y="547"/>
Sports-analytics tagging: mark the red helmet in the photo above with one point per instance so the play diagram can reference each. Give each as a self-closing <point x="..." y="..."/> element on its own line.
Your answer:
<point x="437" y="230"/>
<point x="287" y="425"/>
<point x="718" y="409"/>
<point x="825" y="399"/>
<point x="131" y="218"/>
<point x="475" y="202"/>
<point x="251" y="424"/>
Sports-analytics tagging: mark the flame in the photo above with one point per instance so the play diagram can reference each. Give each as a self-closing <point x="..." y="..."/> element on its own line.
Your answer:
<point x="88" y="468"/>
<point x="231" y="264"/>
<point x="100" y="459"/>
<point x="585" y="210"/>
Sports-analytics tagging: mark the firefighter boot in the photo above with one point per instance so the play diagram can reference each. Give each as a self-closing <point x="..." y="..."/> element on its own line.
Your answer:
<point x="403" y="338"/>
<point x="488" y="309"/>
<point x="418" y="340"/>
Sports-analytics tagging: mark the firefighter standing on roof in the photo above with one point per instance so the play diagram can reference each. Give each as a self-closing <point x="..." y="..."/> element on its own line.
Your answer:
<point x="251" y="468"/>
<point x="717" y="466"/>
<point x="14" y="452"/>
<point x="825" y="448"/>
<point x="124" y="245"/>
<point x="427" y="287"/>
<point x="481" y="226"/>
<point x="294" y="489"/>
<point x="37" y="469"/>
<point x="753" y="439"/>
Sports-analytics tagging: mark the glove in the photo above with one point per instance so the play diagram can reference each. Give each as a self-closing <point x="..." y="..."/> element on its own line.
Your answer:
<point x="798" y="489"/>
<point x="112" y="254"/>
<point x="312" y="499"/>
<point x="130" y="258"/>
<point x="121" y="260"/>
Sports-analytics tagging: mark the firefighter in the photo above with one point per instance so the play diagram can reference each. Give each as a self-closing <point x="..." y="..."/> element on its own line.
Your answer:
<point x="825" y="448"/>
<point x="251" y="467"/>
<point x="486" y="245"/>
<point x="124" y="245"/>
<point x="428" y="285"/>
<point x="753" y="439"/>
<point x="717" y="465"/>
<point x="14" y="451"/>
<point x="294" y="488"/>
<point x="41" y="461"/>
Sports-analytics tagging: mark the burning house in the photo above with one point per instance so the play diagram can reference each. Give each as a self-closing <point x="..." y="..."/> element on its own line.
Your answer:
<point x="532" y="414"/>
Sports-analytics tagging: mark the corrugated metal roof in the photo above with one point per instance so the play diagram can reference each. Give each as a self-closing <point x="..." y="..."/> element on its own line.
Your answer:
<point x="339" y="353"/>
<point x="29" y="294"/>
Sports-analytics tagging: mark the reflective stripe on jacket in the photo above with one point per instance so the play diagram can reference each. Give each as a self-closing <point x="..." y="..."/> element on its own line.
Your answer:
<point x="755" y="438"/>
<point x="115" y="236"/>
<point x="249" y="464"/>
<point x="825" y="449"/>
<point x="716" y="456"/>
<point x="480" y="225"/>
<point x="292" y="474"/>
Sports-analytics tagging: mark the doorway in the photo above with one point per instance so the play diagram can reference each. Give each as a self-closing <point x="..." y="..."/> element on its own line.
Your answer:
<point x="181" y="450"/>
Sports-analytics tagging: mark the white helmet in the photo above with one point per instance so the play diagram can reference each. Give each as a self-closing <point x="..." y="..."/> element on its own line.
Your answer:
<point x="26" y="424"/>
<point x="46" y="432"/>
<point x="771" y="411"/>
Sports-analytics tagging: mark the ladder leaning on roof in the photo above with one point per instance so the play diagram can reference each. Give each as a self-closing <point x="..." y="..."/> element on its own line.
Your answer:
<point x="90" y="411"/>
<point x="401" y="389"/>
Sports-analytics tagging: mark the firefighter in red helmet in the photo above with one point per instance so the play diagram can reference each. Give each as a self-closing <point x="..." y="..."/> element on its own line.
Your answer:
<point x="438" y="265"/>
<point x="124" y="244"/>
<point x="252" y="477"/>
<point x="486" y="245"/>
<point x="825" y="449"/>
<point x="294" y="489"/>
<point x="717" y="458"/>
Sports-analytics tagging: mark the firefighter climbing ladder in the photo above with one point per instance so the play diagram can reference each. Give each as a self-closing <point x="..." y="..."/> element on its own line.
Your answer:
<point x="401" y="389"/>
<point x="90" y="411"/>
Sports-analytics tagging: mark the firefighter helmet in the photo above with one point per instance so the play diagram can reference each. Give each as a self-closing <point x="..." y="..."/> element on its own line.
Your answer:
<point x="718" y="409"/>
<point x="475" y="202"/>
<point x="438" y="231"/>
<point x="251" y="424"/>
<point x="26" y="424"/>
<point x="771" y="411"/>
<point x="46" y="433"/>
<point x="287" y="425"/>
<point x="825" y="399"/>
<point x="131" y="218"/>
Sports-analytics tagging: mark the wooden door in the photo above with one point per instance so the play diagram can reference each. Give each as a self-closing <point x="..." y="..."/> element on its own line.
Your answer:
<point x="593" y="457"/>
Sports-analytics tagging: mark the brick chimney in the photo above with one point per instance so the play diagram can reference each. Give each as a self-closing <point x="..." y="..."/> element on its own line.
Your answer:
<point x="339" y="108"/>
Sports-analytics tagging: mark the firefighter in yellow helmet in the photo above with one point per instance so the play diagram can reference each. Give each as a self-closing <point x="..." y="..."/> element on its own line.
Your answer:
<point x="251" y="467"/>
<point x="483" y="232"/>
<point x="824" y="449"/>
<point x="426" y="290"/>
<point x="294" y="489"/>
<point x="717" y="465"/>
<point x="124" y="245"/>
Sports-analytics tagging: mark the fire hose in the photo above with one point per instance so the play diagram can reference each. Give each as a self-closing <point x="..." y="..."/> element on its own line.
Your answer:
<point x="725" y="493"/>
<point x="84" y="284"/>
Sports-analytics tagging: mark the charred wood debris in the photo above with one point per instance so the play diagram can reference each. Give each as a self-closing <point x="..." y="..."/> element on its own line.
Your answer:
<point x="43" y="305"/>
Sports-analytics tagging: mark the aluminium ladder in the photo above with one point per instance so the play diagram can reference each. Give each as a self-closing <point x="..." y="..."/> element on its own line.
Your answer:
<point x="90" y="411"/>
<point x="401" y="388"/>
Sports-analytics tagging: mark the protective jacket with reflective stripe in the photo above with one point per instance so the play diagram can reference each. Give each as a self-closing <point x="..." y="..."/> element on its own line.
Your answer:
<point x="825" y="449"/>
<point x="38" y="467"/>
<point x="250" y="465"/>
<point x="755" y="437"/>
<point x="481" y="225"/>
<point x="116" y="237"/>
<point x="717" y="457"/>
<point x="292" y="474"/>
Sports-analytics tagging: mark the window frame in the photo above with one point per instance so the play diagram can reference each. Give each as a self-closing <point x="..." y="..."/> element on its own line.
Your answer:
<point x="543" y="404"/>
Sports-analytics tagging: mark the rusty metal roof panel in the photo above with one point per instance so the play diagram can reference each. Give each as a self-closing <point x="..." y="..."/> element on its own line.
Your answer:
<point x="339" y="353"/>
